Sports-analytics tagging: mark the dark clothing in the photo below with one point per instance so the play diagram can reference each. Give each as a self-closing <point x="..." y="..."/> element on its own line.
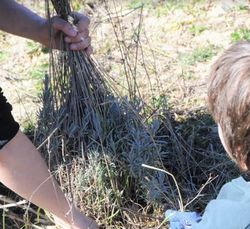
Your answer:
<point x="8" y="126"/>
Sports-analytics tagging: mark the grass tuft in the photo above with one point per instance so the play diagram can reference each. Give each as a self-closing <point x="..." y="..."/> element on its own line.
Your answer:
<point x="3" y="56"/>
<point x="240" y="34"/>
<point x="202" y="54"/>
<point x="196" y="30"/>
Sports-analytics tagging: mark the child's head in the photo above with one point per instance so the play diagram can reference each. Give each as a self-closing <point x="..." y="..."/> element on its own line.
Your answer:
<point x="229" y="101"/>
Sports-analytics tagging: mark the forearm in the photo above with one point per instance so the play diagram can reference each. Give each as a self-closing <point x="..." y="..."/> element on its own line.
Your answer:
<point x="18" y="20"/>
<point x="23" y="170"/>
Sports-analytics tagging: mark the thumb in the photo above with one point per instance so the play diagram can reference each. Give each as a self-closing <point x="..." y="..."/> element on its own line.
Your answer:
<point x="64" y="26"/>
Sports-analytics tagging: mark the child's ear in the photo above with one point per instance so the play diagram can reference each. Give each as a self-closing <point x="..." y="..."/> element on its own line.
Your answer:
<point x="238" y="157"/>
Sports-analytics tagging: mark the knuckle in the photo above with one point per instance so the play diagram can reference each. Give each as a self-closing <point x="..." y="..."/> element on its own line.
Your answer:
<point x="85" y="33"/>
<point x="54" y="19"/>
<point x="55" y="22"/>
<point x="65" y="27"/>
<point x="84" y="23"/>
<point x="81" y="46"/>
<point x="79" y="38"/>
<point x="86" y="43"/>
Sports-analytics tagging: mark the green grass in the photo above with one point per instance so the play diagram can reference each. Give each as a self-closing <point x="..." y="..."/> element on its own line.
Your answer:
<point x="77" y="5"/>
<point x="202" y="54"/>
<point x="164" y="8"/>
<point x="188" y="75"/>
<point x="196" y="30"/>
<point x="33" y="48"/>
<point x="161" y="7"/>
<point x="159" y="101"/>
<point x="242" y="7"/>
<point x="240" y="34"/>
<point x="3" y="55"/>
<point x="138" y="3"/>
<point x="161" y="11"/>
<point x="39" y="71"/>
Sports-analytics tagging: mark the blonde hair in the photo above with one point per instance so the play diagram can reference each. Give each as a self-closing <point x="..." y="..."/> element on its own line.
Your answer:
<point x="229" y="100"/>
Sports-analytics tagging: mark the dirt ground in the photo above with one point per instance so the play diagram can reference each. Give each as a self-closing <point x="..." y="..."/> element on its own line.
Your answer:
<point x="170" y="36"/>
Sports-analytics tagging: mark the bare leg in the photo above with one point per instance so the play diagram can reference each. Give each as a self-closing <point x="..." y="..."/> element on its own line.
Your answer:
<point x="23" y="170"/>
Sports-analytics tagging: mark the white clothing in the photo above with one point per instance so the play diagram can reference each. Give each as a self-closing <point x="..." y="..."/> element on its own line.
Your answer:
<point x="231" y="208"/>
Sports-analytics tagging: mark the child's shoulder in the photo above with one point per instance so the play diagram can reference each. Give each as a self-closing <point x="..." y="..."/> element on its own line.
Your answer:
<point x="237" y="189"/>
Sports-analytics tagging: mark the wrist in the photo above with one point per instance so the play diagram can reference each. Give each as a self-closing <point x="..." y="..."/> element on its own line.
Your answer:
<point x="42" y="33"/>
<point x="78" y="220"/>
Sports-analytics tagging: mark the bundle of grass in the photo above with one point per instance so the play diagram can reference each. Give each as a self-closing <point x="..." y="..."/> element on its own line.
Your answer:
<point x="95" y="141"/>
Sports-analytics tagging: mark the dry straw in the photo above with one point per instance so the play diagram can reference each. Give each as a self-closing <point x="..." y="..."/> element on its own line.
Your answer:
<point x="94" y="139"/>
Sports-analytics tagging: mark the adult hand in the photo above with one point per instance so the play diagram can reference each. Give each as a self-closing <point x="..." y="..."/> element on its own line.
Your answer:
<point x="76" y="36"/>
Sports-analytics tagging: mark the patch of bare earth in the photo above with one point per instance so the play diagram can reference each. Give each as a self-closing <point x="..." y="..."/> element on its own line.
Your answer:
<point x="17" y="82"/>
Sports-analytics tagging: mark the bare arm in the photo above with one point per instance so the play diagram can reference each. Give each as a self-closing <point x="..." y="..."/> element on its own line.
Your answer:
<point x="23" y="170"/>
<point x="18" y="20"/>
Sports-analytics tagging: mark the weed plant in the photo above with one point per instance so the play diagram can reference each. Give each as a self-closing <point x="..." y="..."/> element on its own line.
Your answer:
<point x="99" y="141"/>
<point x="240" y="34"/>
<point x="201" y="54"/>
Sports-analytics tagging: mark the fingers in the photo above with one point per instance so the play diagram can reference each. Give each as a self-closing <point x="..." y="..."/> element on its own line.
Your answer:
<point x="81" y="45"/>
<point x="82" y="41"/>
<point x="78" y="37"/>
<point x="82" y="21"/>
<point x="65" y="27"/>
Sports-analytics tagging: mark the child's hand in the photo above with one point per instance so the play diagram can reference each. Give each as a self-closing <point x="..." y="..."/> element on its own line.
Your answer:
<point x="182" y="220"/>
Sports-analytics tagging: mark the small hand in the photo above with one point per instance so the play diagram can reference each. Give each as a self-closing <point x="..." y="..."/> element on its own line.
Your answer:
<point x="76" y="36"/>
<point x="182" y="220"/>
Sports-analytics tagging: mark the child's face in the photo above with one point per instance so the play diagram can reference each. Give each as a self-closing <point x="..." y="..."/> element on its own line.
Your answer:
<point x="242" y="166"/>
<point x="222" y="140"/>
